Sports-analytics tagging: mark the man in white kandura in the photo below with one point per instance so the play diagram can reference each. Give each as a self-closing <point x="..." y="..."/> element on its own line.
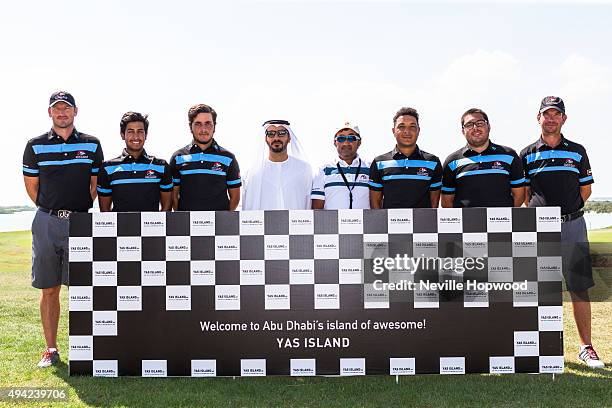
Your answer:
<point x="281" y="178"/>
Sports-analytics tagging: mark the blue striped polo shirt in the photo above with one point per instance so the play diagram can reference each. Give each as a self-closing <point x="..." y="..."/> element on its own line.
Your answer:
<point x="204" y="177"/>
<point x="134" y="184"/>
<point x="64" y="169"/>
<point x="483" y="179"/>
<point x="555" y="174"/>
<point x="329" y="185"/>
<point x="406" y="181"/>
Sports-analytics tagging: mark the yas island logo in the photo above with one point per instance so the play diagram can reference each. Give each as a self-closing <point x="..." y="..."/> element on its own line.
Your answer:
<point x="422" y="171"/>
<point x="217" y="167"/>
<point x="150" y="174"/>
<point x="81" y="154"/>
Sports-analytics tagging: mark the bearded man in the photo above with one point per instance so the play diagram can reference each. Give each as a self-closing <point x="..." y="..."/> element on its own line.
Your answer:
<point x="482" y="173"/>
<point x="280" y="178"/>
<point x="206" y="176"/>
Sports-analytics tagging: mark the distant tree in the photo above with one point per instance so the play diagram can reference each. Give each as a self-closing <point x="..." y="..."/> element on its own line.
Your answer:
<point x="600" y="207"/>
<point x="15" y="208"/>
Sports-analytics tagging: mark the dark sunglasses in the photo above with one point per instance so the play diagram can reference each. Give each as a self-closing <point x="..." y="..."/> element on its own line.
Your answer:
<point x="347" y="138"/>
<point x="279" y="133"/>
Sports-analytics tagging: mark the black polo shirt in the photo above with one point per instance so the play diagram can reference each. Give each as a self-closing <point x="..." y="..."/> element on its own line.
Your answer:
<point x="134" y="184"/>
<point x="64" y="169"/>
<point x="483" y="179"/>
<point x="406" y="181"/>
<point x="555" y="174"/>
<point x="204" y="177"/>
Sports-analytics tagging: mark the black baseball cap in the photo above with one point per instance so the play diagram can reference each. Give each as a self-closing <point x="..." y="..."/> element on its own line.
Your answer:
<point x="62" y="96"/>
<point x="552" y="102"/>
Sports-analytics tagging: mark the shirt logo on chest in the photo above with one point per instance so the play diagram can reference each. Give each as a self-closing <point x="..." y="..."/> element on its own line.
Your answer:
<point x="150" y="174"/>
<point x="422" y="171"/>
<point x="569" y="163"/>
<point x="217" y="167"/>
<point x="81" y="154"/>
<point x="497" y="165"/>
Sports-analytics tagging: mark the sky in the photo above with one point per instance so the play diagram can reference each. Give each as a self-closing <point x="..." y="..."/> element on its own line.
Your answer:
<point x="314" y="63"/>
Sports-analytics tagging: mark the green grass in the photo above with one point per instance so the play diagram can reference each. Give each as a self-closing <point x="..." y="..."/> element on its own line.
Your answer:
<point x="603" y="235"/>
<point x="601" y="251"/>
<point x="21" y="343"/>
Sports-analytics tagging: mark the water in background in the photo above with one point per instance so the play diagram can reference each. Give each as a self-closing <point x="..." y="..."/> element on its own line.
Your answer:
<point x="18" y="221"/>
<point x="21" y="221"/>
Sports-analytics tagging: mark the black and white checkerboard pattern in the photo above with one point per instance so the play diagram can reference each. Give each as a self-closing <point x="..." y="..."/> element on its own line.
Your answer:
<point x="140" y="282"/>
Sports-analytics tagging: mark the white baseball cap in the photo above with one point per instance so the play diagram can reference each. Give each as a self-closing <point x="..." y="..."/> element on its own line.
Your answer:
<point x="348" y="125"/>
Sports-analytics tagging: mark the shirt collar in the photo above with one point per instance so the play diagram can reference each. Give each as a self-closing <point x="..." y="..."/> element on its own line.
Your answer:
<point x="125" y="156"/>
<point x="52" y="134"/>
<point x="194" y="148"/>
<point x="467" y="151"/>
<point x="355" y="162"/>
<point x="540" y="143"/>
<point x="414" y="155"/>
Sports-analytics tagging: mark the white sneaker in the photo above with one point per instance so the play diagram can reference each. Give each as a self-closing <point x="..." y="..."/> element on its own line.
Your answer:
<point x="49" y="358"/>
<point x="590" y="357"/>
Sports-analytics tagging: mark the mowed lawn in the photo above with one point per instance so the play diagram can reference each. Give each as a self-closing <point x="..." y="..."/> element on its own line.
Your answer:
<point x="21" y="344"/>
<point x="601" y="235"/>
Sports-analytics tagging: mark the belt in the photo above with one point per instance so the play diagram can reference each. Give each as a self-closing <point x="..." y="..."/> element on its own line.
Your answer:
<point x="64" y="214"/>
<point x="572" y="216"/>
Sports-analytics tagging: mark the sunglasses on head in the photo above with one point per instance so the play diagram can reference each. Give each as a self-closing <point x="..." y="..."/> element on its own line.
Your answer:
<point x="347" y="138"/>
<point x="279" y="133"/>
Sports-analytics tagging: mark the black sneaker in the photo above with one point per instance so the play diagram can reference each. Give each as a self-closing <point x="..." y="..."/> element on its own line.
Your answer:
<point x="590" y="357"/>
<point x="49" y="358"/>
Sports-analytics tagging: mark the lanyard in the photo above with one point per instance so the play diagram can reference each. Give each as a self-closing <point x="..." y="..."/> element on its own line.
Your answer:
<point x="346" y="183"/>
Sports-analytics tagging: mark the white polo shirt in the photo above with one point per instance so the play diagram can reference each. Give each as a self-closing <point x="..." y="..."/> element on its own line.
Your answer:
<point x="329" y="185"/>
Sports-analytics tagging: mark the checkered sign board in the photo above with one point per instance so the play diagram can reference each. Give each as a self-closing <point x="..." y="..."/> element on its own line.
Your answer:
<point x="347" y="292"/>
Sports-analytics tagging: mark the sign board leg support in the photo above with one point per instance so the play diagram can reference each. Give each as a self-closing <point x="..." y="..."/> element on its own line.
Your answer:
<point x="397" y="379"/>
